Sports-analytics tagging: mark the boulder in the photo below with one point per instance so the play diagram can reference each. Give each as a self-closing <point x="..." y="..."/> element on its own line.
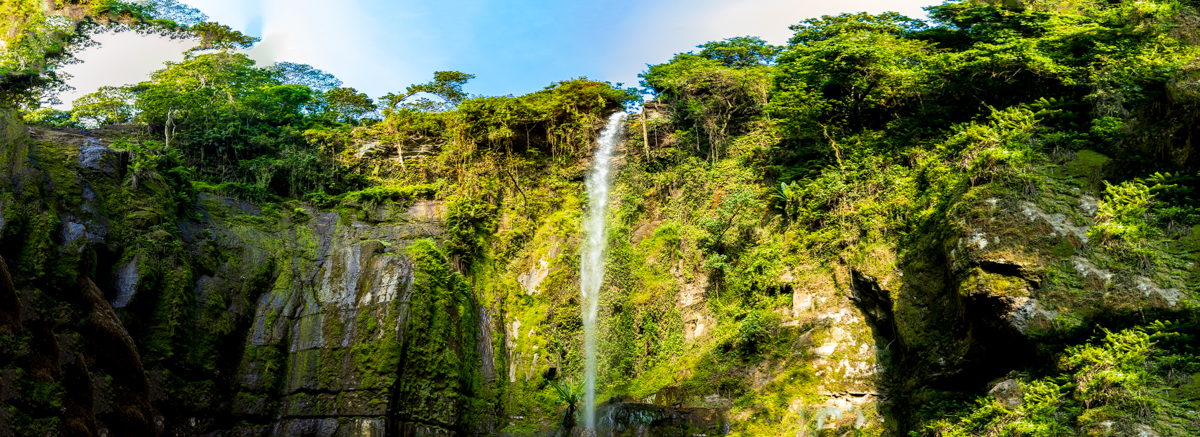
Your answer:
<point x="96" y="157"/>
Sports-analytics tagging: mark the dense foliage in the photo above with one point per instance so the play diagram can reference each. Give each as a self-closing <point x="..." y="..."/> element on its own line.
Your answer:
<point x="860" y="152"/>
<point x="36" y="38"/>
<point x="866" y="131"/>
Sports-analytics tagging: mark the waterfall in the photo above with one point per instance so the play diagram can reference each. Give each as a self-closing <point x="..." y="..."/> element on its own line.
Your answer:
<point x="592" y="263"/>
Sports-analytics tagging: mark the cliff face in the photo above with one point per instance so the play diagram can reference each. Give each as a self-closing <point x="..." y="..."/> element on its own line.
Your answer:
<point x="120" y="320"/>
<point x="287" y="319"/>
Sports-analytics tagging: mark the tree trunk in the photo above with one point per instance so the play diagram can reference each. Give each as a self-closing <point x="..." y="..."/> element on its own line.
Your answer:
<point x="645" y="135"/>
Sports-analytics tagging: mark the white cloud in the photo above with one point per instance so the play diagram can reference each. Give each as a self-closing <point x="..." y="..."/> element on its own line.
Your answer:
<point x="513" y="46"/>
<point x="122" y="58"/>
<point x="660" y="31"/>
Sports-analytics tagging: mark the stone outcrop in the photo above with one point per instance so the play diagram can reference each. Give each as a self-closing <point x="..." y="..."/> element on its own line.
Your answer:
<point x="618" y="419"/>
<point x="252" y="321"/>
<point x="91" y="361"/>
<point x="170" y="312"/>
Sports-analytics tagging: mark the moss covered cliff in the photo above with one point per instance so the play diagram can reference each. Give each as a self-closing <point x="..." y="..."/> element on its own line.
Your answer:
<point x="981" y="225"/>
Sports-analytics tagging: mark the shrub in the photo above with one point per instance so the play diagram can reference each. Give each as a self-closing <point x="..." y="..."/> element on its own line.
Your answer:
<point x="1120" y="215"/>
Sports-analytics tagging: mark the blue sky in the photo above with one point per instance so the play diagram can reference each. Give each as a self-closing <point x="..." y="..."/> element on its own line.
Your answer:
<point x="513" y="47"/>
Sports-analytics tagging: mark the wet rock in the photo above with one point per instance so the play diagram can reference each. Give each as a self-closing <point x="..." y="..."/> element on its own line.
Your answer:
<point x="620" y="419"/>
<point x="70" y="233"/>
<point x="110" y="350"/>
<point x="362" y="427"/>
<point x="654" y="110"/>
<point x="426" y="211"/>
<point x="696" y="324"/>
<point x="484" y="346"/>
<point x="690" y="300"/>
<point x="1089" y="205"/>
<point x="1143" y="430"/>
<point x="1060" y="224"/>
<point x="409" y="429"/>
<point x="1030" y="313"/>
<point x="127" y="282"/>
<point x="1170" y="296"/>
<point x="369" y="148"/>
<point x="531" y="279"/>
<point x="96" y="157"/>
<point x="10" y="306"/>
<point x="1008" y="392"/>
<point x="841" y="409"/>
<point x="717" y="401"/>
<point x="694" y="287"/>
<point x="308" y="427"/>
<point x="644" y="231"/>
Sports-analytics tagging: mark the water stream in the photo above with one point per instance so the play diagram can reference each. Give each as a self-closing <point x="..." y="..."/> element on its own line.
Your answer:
<point x="592" y="263"/>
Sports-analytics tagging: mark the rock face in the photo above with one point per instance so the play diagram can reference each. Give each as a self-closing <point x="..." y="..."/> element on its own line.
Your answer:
<point x="250" y="320"/>
<point x="618" y="419"/>
<point x="167" y="312"/>
<point x="1008" y="392"/>
<point x="92" y="362"/>
<point x="350" y="320"/>
<point x="94" y="156"/>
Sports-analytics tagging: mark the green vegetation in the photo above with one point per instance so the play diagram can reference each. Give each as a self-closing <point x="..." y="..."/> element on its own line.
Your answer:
<point x="37" y="37"/>
<point x="890" y="137"/>
<point x="1003" y="196"/>
<point x="1145" y="373"/>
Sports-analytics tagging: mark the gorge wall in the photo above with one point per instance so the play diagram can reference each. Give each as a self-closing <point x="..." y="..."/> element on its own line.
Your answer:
<point x="288" y="319"/>
<point x="980" y="224"/>
<point x="297" y="322"/>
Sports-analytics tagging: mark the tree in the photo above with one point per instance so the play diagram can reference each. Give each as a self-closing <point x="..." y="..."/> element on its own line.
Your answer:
<point x="742" y="51"/>
<point x="815" y="30"/>
<point x="708" y="95"/>
<point x="445" y="84"/>
<point x="50" y="117"/>
<point x="221" y="37"/>
<point x="175" y="11"/>
<point x="304" y="74"/>
<point x="342" y="105"/>
<point x="211" y="98"/>
<point x="857" y="69"/>
<point x="108" y="105"/>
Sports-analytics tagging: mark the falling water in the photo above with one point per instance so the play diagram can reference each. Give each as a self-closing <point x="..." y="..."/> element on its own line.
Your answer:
<point x="592" y="265"/>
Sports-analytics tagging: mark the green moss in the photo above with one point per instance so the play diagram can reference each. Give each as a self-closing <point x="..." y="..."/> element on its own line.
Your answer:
<point x="59" y="163"/>
<point x="380" y="194"/>
<point x="26" y="424"/>
<point x="28" y="240"/>
<point x="330" y="368"/>
<point x="981" y="282"/>
<point x="441" y="356"/>
<point x="376" y="353"/>
<point x="1192" y="242"/>
<point x="367" y="324"/>
<point x="164" y="307"/>
<point x="1189" y="391"/>
<point x="239" y="190"/>
<point x="1087" y="165"/>
<point x="269" y="320"/>
<point x="268" y="363"/>
<point x="1064" y="249"/>
<point x="347" y="216"/>
<point x="332" y="326"/>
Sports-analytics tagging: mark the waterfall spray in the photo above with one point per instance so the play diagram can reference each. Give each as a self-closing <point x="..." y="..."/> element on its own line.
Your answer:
<point x="592" y="263"/>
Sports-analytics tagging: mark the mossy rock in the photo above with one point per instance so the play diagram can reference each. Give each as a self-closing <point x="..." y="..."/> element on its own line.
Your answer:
<point x="1064" y="248"/>
<point x="1192" y="242"/>
<point x="144" y="218"/>
<point x="1087" y="164"/>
